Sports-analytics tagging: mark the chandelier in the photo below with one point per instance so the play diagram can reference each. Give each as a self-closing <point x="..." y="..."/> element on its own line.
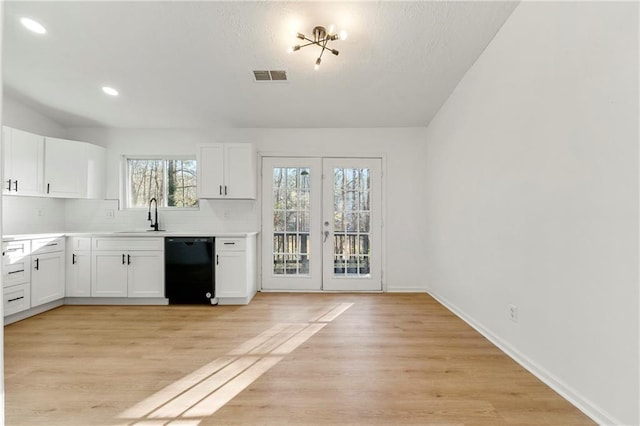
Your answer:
<point x="321" y="37"/>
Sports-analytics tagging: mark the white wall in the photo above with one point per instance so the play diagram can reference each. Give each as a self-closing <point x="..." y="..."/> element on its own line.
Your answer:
<point x="16" y="114"/>
<point x="398" y="146"/>
<point x="531" y="188"/>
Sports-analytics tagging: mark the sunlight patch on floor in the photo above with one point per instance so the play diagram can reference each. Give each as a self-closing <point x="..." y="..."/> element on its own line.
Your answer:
<point x="187" y="401"/>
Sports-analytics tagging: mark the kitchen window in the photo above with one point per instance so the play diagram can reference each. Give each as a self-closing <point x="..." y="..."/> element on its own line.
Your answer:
<point x="171" y="181"/>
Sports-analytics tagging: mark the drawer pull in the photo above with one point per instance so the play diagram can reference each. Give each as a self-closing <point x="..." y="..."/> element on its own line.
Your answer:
<point x="51" y="245"/>
<point x="15" y="272"/>
<point x="13" y="249"/>
<point x="229" y="244"/>
<point x="9" y="188"/>
<point x="15" y="298"/>
<point x="16" y="182"/>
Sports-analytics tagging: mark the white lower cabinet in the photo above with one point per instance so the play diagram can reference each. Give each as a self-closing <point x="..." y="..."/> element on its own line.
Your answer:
<point x="235" y="270"/>
<point x="78" y="267"/>
<point x="17" y="298"/>
<point x="135" y="270"/>
<point x="48" y="270"/>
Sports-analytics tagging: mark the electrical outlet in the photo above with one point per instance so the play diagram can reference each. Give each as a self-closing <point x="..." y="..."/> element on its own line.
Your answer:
<point x="513" y="312"/>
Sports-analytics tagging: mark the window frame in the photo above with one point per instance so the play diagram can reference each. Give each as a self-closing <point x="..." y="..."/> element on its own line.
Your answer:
<point x="125" y="177"/>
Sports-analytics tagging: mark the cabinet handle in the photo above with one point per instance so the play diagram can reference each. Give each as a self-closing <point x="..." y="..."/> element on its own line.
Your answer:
<point x="9" y="188"/>
<point x="128" y="259"/>
<point x="10" y="250"/>
<point x="15" y="272"/>
<point x="229" y="244"/>
<point x="123" y="259"/>
<point x="220" y="189"/>
<point x="225" y="190"/>
<point x="48" y="187"/>
<point x="16" y="182"/>
<point x="37" y="264"/>
<point x="51" y="245"/>
<point x="217" y="259"/>
<point x="15" y="298"/>
<point x="73" y="259"/>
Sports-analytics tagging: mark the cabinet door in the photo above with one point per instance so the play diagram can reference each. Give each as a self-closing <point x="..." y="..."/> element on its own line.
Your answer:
<point x="23" y="162"/>
<point x="65" y="168"/>
<point x="240" y="171"/>
<point x="145" y="274"/>
<point x="231" y="275"/>
<point x="96" y="186"/>
<point x="78" y="274"/>
<point x="109" y="274"/>
<point x="210" y="162"/>
<point x="47" y="278"/>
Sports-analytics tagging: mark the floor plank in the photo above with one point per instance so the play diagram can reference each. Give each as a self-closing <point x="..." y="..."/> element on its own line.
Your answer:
<point x="283" y="359"/>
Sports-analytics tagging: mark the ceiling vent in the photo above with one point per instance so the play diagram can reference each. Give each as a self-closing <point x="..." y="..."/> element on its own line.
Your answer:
<point x="273" y="75"/>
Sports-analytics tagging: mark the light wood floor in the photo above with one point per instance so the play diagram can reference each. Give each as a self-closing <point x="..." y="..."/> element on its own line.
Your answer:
<point x="300" y="358"/>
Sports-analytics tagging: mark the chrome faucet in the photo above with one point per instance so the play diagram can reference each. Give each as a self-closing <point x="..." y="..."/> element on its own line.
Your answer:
<point x="153" y="225"/>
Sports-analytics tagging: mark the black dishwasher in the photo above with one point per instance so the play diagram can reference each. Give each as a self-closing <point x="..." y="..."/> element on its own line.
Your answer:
<point x="189" y="270"/>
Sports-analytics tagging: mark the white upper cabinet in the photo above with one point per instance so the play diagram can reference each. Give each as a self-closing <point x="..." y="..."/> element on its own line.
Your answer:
<point x="23" y="162"/>
<point x="96" y="162"/>
<point x="64" y="168"/>
<point x="226" y="171"/>
<point x="44" y="166"/>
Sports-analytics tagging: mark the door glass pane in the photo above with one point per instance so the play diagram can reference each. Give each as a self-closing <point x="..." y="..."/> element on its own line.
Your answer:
<point x="291" y="227"/>
<point x="352" y="217"/>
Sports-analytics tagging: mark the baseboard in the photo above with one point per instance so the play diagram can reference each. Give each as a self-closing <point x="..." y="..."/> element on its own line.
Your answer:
<point x="590" y="409"/>
<point x="405" y="290"/>
<point x="116" y="301"/>
<point x="19" y="316"/>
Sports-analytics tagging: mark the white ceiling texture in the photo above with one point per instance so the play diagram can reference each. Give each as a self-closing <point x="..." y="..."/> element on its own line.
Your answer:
<point x="180" y="64"/>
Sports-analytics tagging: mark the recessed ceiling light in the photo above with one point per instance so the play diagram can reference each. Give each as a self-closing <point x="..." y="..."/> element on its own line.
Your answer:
<point x="110" y="91"/>
<point x="34" y="26"/>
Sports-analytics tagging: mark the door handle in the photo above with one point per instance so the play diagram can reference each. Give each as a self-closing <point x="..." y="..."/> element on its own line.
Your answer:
<point x="37" y="264"/>
<point x="326" y="235"/>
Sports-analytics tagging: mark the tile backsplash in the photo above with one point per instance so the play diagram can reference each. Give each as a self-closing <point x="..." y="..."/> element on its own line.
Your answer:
<point x="23" y="215"/>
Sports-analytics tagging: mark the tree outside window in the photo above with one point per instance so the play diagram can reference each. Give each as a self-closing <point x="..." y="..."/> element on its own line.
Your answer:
<point x="171" y="181"/>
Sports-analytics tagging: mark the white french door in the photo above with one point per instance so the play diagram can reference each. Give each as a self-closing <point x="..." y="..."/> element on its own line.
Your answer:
<point x="321" y="224"/>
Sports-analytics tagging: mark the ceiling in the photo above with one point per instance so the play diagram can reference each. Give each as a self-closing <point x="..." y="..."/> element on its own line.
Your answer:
<point x="186" y="64"/>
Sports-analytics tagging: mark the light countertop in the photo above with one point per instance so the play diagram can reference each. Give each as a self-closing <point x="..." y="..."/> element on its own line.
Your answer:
<point x="131" y="233"/>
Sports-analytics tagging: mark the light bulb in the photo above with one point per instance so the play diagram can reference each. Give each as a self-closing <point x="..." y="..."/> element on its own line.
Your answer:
<point x="343" y="35"/>
<point x="317" y="66"/>
<point x="332" y="29"/>
<point x="32" y="25"/>
<point x="110" y="91"/>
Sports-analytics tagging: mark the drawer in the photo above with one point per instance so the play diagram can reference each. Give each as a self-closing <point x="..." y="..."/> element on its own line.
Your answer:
<point x="16" y="248"/>
<point x="16" y="270"/>
<point x="230" y="244"/>
<point x="128" y="244"/>
<point x="17" y="298"/>
<point x="79" y="243"/>
<point x="47" y="245"/>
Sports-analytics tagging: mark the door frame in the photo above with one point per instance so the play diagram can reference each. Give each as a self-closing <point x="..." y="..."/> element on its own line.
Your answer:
<point x="320" y="154"/>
